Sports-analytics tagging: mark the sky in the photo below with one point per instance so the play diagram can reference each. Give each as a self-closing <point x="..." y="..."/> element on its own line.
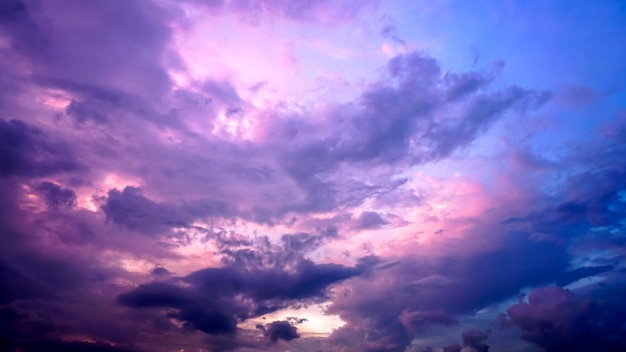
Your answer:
<point x="337" y="176"/>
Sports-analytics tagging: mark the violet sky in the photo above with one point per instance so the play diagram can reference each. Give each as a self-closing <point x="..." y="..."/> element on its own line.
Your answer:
<point x="296" y="175"/>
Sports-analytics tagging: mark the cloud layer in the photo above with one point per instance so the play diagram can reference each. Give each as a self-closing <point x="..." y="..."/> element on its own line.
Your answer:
<point x="294" y="175"/>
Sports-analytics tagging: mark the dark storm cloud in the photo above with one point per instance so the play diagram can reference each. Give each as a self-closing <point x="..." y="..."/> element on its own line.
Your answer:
<point x="209" y="320"/>
<point x="393" y="305"/>
<point x="83" y="112"/>
<point x="26" y="150"/>
<point x="215" y="299"/>
<point x="57" y="196"/>
<point x="281" y="330"/>
<point x="156" y="295"/>
<point x="16" y="284"/>
<point x="47" y="285"/>
<point x="29" y="269"/>
<point x="475" y="339"/>
<point x="44" y="320"/>
<point x="135" y="211"/>
<point x="160" y="271"/>
<point x="556" y="319"/>
<point x="31" y="272"/>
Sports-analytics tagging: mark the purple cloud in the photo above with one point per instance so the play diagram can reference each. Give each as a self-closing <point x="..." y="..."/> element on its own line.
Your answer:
<point x="28" y="151"/>
<point x="475" y="339"/>
<point x="168" y="181"/>
<point x="282" y="330"/>
<point x="556" y="320"/>
<point x="213" y="300"/>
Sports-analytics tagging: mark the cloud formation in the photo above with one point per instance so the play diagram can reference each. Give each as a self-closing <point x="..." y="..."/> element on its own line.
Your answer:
<point x="556" y="320"/>
<point x="260" y="175"/>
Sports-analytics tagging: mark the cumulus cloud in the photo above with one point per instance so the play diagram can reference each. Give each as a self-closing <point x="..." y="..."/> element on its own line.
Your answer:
<point x="213" y="300"/>
<point x="555" y="319"/>
<point x="389" y="305"/>
<point x="282" y="330"/>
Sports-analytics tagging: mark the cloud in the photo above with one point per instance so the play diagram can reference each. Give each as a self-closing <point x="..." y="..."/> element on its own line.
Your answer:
<point x="213" y="300"/>
<point x="56" y="196"/>
<point x="475" y="339"/>
<point x="46" y="35"/>
<point x="370" y="219"/>
<point x="404" y="118"/>
<point x="160" y="271"/>
<point x="282" y="330"/>
<point x="397" y="309"/>
<point x="117" y="163"/>
<point x="578" y="96"/>
<point x="156" y="295"/>
<point x="555" y="319"/>
<point x="455" y="347"/>
<point x="418" y="321"/>
<point x="26" y="150"/>
<point x="83" y="111"/>
<point x="129" y="208"/>
<point x="417" y="124"/>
